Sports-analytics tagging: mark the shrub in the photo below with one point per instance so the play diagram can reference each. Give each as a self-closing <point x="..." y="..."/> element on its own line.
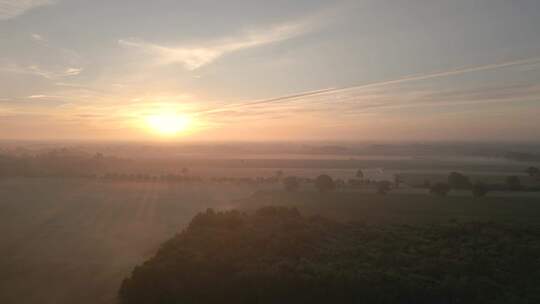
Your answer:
<point x="458" y="181"/>
<point x="324" y="183"/>
<point x="440" y="189"/>
<point x="513" y="183"/>
<point x="383" y="187"/>
<point x="479" y="189"/>
<point x="291" y="183"/>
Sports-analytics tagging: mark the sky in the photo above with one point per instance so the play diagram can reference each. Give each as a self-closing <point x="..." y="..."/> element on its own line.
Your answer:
<point x="270" y="70"/>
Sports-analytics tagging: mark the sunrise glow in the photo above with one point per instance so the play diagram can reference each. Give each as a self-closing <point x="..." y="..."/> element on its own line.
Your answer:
<point x="167" y="124"/>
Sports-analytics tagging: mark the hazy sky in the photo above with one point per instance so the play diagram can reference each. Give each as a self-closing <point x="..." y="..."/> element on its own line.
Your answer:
<point x="260" y="70"/>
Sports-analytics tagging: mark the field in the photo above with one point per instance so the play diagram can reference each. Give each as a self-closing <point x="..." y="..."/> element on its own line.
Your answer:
<point x="73" y="241"/>
<point x="402" y="208"/>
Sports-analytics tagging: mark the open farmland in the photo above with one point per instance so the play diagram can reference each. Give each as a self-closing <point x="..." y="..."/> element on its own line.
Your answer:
<point x="73" y="241"/>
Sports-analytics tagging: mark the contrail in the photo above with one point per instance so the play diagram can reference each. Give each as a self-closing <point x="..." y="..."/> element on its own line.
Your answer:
<point x="409" y="78"/>
<point x="271" y="100"/>
<point x="457" y="71"/>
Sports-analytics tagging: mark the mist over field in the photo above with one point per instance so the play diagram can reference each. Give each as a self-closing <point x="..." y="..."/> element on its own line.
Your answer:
<point x="269" y="152"/>
<point x="76" y="221"/>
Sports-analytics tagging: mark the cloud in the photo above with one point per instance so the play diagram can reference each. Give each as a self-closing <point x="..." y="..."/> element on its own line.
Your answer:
<point x="45" y="96"/>
<point x="358" y="105"/>
<point x="37" y="37"/>
<point x="338" y="94"/>
<point x="38" y="96"/>
<point x="194" y="57"/>
<point x="13" y="8"/>
<point x="55" y="73"/>
<point x="390" y="96"/>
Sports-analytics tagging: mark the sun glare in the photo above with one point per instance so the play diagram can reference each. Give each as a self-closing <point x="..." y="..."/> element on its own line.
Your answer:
<point x="167" y="124"/>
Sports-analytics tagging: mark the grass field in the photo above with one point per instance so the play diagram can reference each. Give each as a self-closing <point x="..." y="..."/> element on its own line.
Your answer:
<point x="73" y="241"/>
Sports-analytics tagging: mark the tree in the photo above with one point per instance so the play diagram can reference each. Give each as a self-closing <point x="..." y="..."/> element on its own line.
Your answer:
<point x="533" y="172"/>
<point x="324" y="183"/>
<point x="291" y="183"/>
<point x="383" y="187"/>
<point x="458" y="181"/>
<point x="360" y="174"/>
<point x="279" y="174"/>
<point x="397" y="180"/>
<point x="479" y="189"/>
<point x="440" y="189"/>
<point x="513" y="183"/>
<point x="277" y="255"/>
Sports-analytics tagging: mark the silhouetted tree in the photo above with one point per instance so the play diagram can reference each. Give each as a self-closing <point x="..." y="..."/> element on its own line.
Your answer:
<point x="458" y="181"/>
<point x="513" y="183"/>
<point x="360" y="174"/>
<point x="479" y="189"/>
<point x="291" y="183"/>
<point x="324" y="183"/>
<point x="440" y="189"/>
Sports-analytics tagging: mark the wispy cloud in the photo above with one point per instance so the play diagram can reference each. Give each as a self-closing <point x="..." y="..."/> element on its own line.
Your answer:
<point x="37" y="37"/>
<point x="44" y="96"/>
<point x="382" y="103"/>
<point x="56" y="73"/>
<point x="37" y="96"/>
<point x="13" y="8"/>
<point x="334" y="94"/>
<point x="196" y="56"/>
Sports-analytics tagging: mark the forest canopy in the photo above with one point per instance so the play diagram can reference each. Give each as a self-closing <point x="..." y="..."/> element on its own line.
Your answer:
<point x="275" y="255"/>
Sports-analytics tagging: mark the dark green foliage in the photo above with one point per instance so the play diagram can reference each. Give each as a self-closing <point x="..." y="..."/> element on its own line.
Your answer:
<point x="278" y="256"/>
<point x="291" y="183"/>
<point x="479" y="189"/>
<point x="324" y="183"/>
<point x="440" y="189"/>
<point x="513" y="183"/>
<point x="458" y="181"/>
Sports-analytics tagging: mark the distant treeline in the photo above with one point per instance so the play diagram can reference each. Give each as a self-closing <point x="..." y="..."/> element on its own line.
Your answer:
<point x="459" y="181"/>
<point x="64" y="163"/>
<point x="523" y="156"/>
<point x="57" y="163"/>
<point x="278" y="256"/>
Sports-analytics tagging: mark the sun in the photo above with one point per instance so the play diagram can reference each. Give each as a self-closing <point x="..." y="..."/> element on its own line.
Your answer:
<point x="168" y="124"/>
